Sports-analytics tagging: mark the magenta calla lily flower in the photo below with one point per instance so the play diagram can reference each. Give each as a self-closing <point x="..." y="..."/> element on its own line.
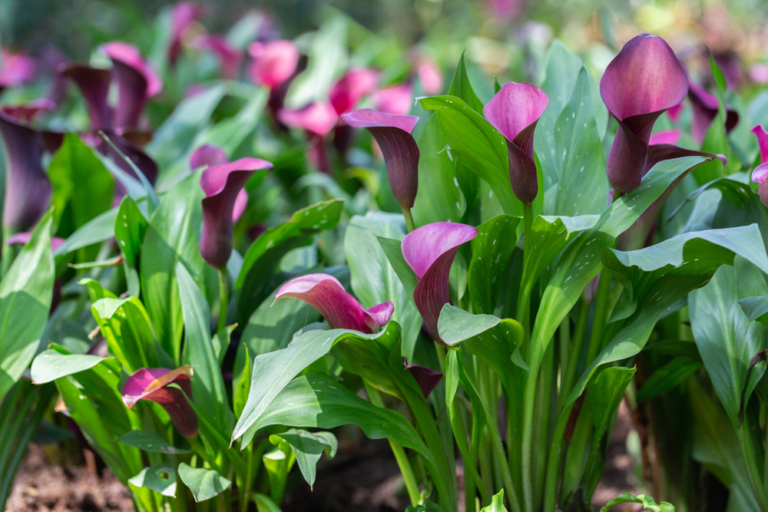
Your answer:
<point x="401" y="153"/>
<point x="94" y="85"/>
<point x="674" y="112"/>
<point x="221" y="184"/>
<point x="705" y="107"/>
<point x="153" y="384"/>
<point x="760" y="174"/>
<point x="17" y="68"/>
<point x="24" y="238"/>
<point x="397" y="99"/>
<point x="208" y="155"/>
<point x="273" y="62"/>
<point x="27" y="190"/>
<point x="342" y="311"/>
<point x="426" y="378"/>
<point x="349" y="89"/>
<point x="644" y="80"/>
<point x="229" y="57"/>
<point x="28" y="111"/>
<point x="506" y="10"/>
<point x="430" y="76"/>
<point x="316" y="118"/>
<point x="664" y="137"/>
<point x="136" y="81"/>
<point x="758" y="73"/>
<point x="183" y="16"/>
<point x="514" y="111"/>
<point x="429" y="251"/>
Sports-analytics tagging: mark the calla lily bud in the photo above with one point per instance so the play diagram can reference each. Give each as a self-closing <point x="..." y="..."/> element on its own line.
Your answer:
<point x="221" y="184"/>
<point x="27" y="188"/>
<point x="429" y="251"/>
<point x="760" y="174"/>
<point x="273" y="62"/>
<point x="514" y="111"/>
<point x="397" y="99"/>
<point x="401" y="153"/>
<point x="136" y="81"/>
<point x="229" y="57"/>
<point x="94" y="85"/>
<point x="426" y="378"/>
<point x="705" y="108"/>
<point x="347" y="92"/>
<point x="208" y="155"/>
<point x="644" y="80"/>
<point x="183" y="16"/>
<point x="342" y="311"/>
<point x="154" y="384"/>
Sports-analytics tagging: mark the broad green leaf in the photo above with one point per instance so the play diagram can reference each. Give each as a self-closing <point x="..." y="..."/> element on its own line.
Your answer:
<point x="52" y="364"/>
<point x="755" y="308"/>
<point x="264" y="255"/>
<point x="439" y="199"/>
<point x="204" y="483"/>
<point x="130" y="228"/>
<point x="491" y="339"/>
<point x="478" y="144"/>
<point x="308" y="447"/>
<point x="491" y="250"/>
<point x="207" y="384"/>
<point x="150" y="442"/>
<point x="243" y="389"/>
<point x="273" y="371"/>
<point x="374" y="281"/>
<point x="647" y="502"/>
<point x="667" y="377"/>
<point x="604" y="394"/>
<point x="160" y="478"/>
<point x="461" y="87"/>
<point x="726" y="339"/>
<point x="26" y="292"/>
<point x="497" y="503"/>
<point x="278" y="464"/>
<point x="125" y="325"/>
<point x="98" y="230"/>
<point x="173" y="236"/>
<point x="263" y="503"/>
<point x="394" y="252"/>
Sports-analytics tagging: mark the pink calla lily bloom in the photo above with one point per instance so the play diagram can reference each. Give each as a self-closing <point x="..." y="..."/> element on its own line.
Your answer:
<point x="396" y="99"/>
<point x="349" y="89"/>
<point x="208" y="155"/>
<point x="273" y="63"/>
<point x="229" y="57"/>
<point x="760" y="174"/>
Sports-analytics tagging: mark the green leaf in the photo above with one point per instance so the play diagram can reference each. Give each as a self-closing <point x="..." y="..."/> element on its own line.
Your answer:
<point x="160" y="478"/>
<point x="374" y="280"/>
<point x="243" y="388"/>
<point x="394" y="252"/>
<point x="264" y="255"/>
<point x="604" y="394"/>
<point x="264" y="504"/>
<point x="125" y="325"/>
<point x="150" y="442"/>
<point x="52" y="364"/>
<point x="646" y="501"/>
<point x="130" y="228"/>
<point x="26" y="292"/>
<point x="491" y="250"/>
<point x="173" y="235"/>
<point x="98" y="230"/>
<point x="461" y="87"/>
<point x="308" y="447"/>
<point x="439" y="199"/>
<point x="204" y="483"/>
<point x="667" y="377"/>
<point x="207" y="384"/>
<point x="497" y="503"/>
<point x="478" y="144"/>
<point x="755" y="308"/>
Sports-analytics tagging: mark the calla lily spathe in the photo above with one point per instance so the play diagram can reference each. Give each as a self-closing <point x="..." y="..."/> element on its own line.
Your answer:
<point x="208" y="155"/>
<point x="705" y="107"/>
<point x="273" y="62"/>
<point x="396" y="99"/>
<point x="349" y="89"/>
<point x="760" y="174"/>
<point x="342" y="311"/>
<point x="183" y="16"/>
<point x="16" y="69"/>
<point x="229" y="57"/>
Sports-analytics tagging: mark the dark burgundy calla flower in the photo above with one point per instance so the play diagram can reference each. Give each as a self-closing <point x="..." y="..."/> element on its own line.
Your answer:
<point x="273" y="63"/>
<point x="514" y="111"/>
<point x="27" y="188"/>
<point x="94" y="85"/>
<point x="229" y="57"/>
<point x="27" y="112"/>
<point x="426" y="378"/>
<point x="401" y="153"/>
<point x="705" y="106"/>
<point x="208" y="155"/>
<point x="54" y="63"/>
<point x="429" y="251"/>
<point x="342" y="311"/>
<point x="643" y="81"/>
<point x="396" y="99"/>
<point x="221" y="184"/>
<point x="136" y="82"/>
<point x="730" y="64"/>
<point x="760" y="174"/>
<point x="154" y="384"/>
<point x="349" y="89"/>
<point x="144" y="162"/>
<point x="183" y="16"/>
<point x="16" y="69"/>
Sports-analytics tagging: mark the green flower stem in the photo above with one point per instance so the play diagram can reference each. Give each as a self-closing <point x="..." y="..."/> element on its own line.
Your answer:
<point x="565" y="343"/>
<point x="524" y="295"/>
<point x="400" y="456"/>
<point x="470" y="469"/>
<point x="541" y="418"/>
<point x="486" y="472"/>
<point x="556" y="459"/>
<point x="566" y="383"/>
<point x="750" y="460"/>
<point x="576" y="453"/>
<point x="223" y="299"/>
<point x="601" y="315"/>
<point x="498" y="451"/>
<point x="408" y="218"/>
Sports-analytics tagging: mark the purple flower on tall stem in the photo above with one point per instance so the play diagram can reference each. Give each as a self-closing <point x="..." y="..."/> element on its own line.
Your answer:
<point x="317" y="120"/>
<point x="514" y="111"/>
<point x="342" y="311"/>
<point x="208" y="155"/>
<point x="183" y="16"/>
<point x="350" y="88"/>
<point x="705" y="107"/>
<point x="27" y="188"/>
<point x="426" y="378"/>
<point x="429" y="251"/>
<point x="153" y="384"/>
<point x="644" y="80"/>
<point x="221" y="184"/>
<point x="760" y="174"/>
<point x="94" y="85"/>
<point x="229" y="57"/>
<point x="401" y="153"/>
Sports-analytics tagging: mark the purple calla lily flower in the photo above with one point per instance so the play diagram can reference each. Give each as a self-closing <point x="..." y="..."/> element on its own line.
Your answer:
<point x="183" y="16"/>
<point x="349" y="89"/>
<point x="94" y="85"/>
<point x="514" y="111"/>
<point x="674" y="112"/>
<point x="342" y="311"/>
<point x="229" y="57"/>
<point x="28" y="111"/>
<point x="317" y="120"/>
<point x="136" y="81"/>
<point x="273" y="62"/>
<point x="664" y="137"/>
<point x="760" y="174"/>
<point x="401" y="153"/>
<point x="397" y="99"/>
<point x="17" y="68"/>
<point x="221" y="184"/>
<point x="27" y="188"/>
<point x="426" y="378"/>
<point x="24" y="238"/>
<point x="430" y="76"/>
<point x="705" y="107"/>
<point x="429" y="251"/>
<point x="643" y="81"/>
<point x="208" y="155"/>
<point x="154" y="384"/>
